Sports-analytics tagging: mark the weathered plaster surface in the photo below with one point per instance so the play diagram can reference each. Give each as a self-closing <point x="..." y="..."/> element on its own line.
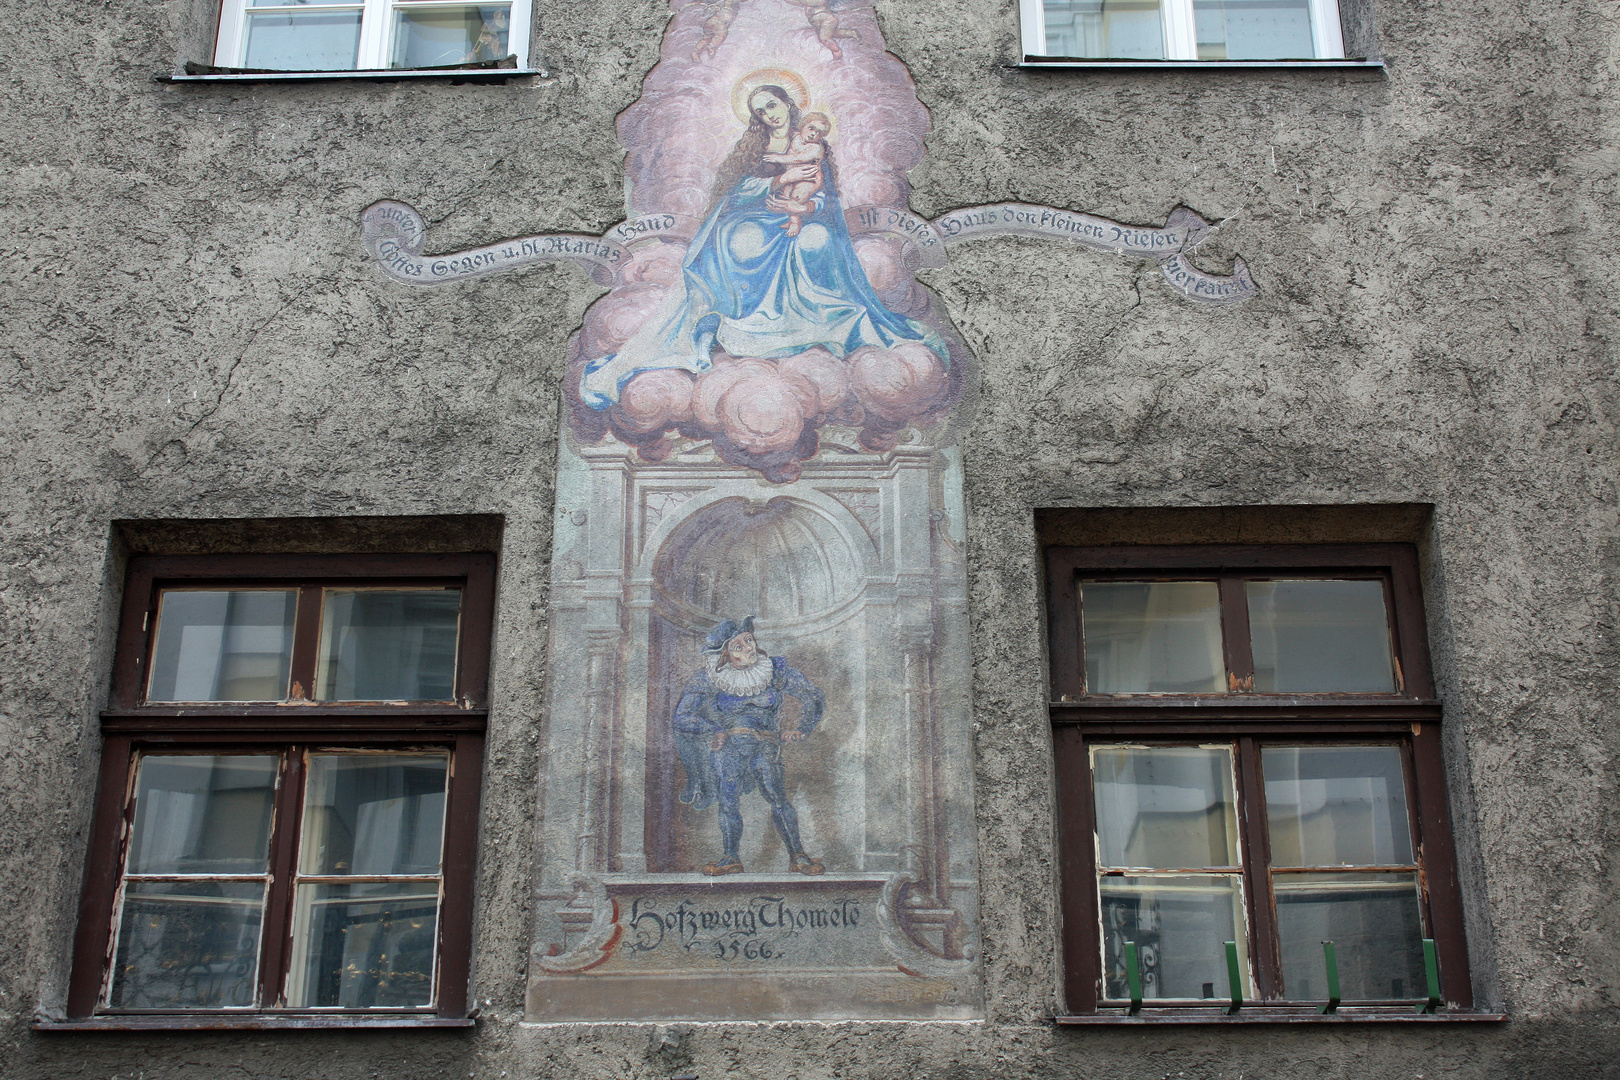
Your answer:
<point x="189" y="328"/>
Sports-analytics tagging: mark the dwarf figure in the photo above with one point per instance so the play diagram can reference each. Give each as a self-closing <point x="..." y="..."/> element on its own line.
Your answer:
<point x="729" y="739"/>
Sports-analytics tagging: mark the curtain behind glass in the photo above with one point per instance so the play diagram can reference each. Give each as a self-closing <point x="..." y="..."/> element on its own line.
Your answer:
<point x="437" y="36"/>
<point x="389" y="645"/>
<point x="1254" y="29"/>
<point x="1161" y="637"/>
<point x="1129" y="29"/>
<point x="303" y="40"/>
<point x="223" y="645"/>
<point x="1320" y="636"/>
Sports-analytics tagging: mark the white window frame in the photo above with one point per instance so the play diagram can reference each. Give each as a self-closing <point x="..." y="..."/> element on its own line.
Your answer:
<point x="1180" y="31"/>
<point x="376" y="24"/>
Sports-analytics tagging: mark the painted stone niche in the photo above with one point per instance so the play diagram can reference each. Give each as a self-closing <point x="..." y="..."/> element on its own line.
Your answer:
<point x="854" y="574"/>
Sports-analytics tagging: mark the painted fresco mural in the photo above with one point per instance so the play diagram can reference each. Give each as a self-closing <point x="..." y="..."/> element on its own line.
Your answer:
<point x="756" y="798"/>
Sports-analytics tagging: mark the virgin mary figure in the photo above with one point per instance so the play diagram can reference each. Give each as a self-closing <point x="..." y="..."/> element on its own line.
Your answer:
<point x="752" y="287"/>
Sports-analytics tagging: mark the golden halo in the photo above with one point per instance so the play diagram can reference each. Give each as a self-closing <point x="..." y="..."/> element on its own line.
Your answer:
<point x="787" y="80"/>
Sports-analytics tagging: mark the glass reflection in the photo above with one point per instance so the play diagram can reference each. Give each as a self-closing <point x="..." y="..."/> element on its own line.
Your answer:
<point x="227" y="645"/>
<point x="1254" y="29"/>
<point x="441" y="36"/>
<point x="388" y="645"/>
<point x="364" y="945"/>
<point x="1127" y="29"/>
<point x="1167" y="807"/>
<point x="1320" y="637"/>
<point x="188" y="945"/>
<point x="1158" y="637"/>
<point x="1336" y="806"/>
<point x="202" y="815"/>
<point x="303" y="41"/>
<point x="373" y="814"/>
<point x="1180" y="924"/>
<point x="1374" y="923"/>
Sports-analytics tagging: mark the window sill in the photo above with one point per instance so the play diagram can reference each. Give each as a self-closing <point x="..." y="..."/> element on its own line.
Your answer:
<point x="1079" y="62"/>
<point x="455" y="75"/>
<point x="252" y="1022"/>
<point x="1345" y="1015"/>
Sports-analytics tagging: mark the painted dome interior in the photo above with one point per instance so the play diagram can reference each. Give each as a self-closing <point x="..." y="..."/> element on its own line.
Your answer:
<point x="780" y="560"/>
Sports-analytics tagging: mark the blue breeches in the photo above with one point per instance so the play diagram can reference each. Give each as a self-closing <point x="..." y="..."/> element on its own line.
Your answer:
<point x="746" y="758"/>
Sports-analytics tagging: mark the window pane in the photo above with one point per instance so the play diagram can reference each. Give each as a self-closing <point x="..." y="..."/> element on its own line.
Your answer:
<point x="188" y="945"/>
<point x="364" y="945"/>
<point x="388" y="645"/>
<point x="1129" y="29"/>
<point x="1373" y="922"/>
<point x="1320" y="637"/>
<point x="1165" y="807"/>
<point x="1336" y="806"/>
<point x="300" y="41"/>
<point x="1254" y="29"/>
<point x="1180" y="924"/>
<point x="223" y="646"/>
<point x="202" y="815"/>
<point x="374" y="814"/>
<point x="460" y="35"/>
<point x="1152" y="637"/>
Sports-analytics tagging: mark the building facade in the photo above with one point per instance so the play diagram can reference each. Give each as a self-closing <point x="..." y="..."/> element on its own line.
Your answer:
<point x="791" y="538"/>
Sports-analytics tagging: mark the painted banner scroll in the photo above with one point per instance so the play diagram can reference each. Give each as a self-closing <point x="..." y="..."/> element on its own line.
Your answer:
<point x="395" y="233"/>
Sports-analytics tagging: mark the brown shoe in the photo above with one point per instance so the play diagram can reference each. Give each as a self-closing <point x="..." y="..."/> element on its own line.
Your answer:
<point x="804" y="864"/>
<point x="727" y="865"/>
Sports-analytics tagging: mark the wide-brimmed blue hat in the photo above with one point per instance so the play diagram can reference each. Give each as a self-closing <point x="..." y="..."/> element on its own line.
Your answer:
<point x="720" y="635"/>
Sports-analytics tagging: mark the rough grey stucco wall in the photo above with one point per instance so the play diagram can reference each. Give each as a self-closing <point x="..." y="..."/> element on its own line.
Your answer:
<point x="191" y="330"/>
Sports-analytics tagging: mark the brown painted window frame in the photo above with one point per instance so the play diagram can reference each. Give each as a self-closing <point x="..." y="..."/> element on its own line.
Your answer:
<point x="1410" y="717"/>
<point x="130" y="726"/>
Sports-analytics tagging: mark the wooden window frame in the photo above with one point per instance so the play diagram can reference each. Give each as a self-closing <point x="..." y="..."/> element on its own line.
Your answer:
<point x="290" y="728"/>
<point x="1410" y="717"/>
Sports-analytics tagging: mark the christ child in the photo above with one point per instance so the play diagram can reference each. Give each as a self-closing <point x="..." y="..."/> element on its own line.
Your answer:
<point x="805" y="148"/>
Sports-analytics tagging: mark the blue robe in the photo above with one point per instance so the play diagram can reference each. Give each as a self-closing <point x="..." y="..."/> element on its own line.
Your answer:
<point x="753" y="290"/>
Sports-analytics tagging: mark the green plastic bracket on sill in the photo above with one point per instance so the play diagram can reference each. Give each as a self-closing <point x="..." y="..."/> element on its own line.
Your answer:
<point x="1431" y="973"/>
<point x="1234" y="975"/>
<point x="1330" y="960"/>
<point x="1133" y="976"/>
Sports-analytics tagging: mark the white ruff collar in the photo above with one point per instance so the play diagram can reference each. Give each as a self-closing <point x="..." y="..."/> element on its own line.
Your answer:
<point x="741" y="682"/>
